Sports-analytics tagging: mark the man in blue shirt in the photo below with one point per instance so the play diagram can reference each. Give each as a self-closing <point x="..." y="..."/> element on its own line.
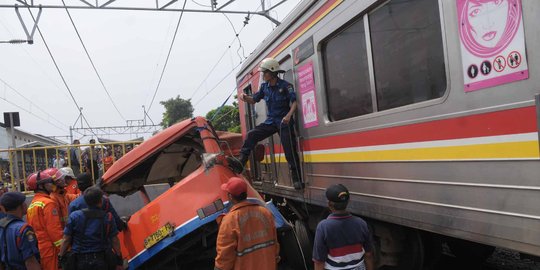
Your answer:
<point x="84" y="181"/>
<point x="18" y="241"/>
<point x="342" y="241"/>
<point x="91" y="233"/>
<point x="281" y="106"/>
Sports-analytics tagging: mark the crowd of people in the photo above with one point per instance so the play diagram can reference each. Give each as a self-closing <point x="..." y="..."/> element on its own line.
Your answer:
<point x="70" y="224"/>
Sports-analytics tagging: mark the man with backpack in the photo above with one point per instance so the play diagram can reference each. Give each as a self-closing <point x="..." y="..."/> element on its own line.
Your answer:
<point x="91" y="232"/>
<point x="18" y="241"/>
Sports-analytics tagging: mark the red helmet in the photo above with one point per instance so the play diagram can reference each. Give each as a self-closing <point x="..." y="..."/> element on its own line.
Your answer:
<point x="38" y="178"/>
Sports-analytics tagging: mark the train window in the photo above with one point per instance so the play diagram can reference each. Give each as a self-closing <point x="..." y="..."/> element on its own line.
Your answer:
<point x="346" y="73"/>
<point x="407" y="52"/>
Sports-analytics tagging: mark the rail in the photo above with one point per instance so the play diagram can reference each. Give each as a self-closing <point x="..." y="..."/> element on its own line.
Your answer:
<point x="91" y="158"/>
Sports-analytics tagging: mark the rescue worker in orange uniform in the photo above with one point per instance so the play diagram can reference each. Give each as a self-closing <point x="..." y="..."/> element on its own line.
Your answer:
<point x="247" y="237"/>
<point x="60" y="195"/>
<point x="70" y="180"/>
<point x="44" y="216"/>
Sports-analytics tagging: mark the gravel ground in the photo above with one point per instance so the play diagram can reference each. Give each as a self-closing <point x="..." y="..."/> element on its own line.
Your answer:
<point x="500" y="260"/>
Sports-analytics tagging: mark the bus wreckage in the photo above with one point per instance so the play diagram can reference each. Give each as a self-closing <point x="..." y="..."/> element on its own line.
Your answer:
<point x="178" y="229"/>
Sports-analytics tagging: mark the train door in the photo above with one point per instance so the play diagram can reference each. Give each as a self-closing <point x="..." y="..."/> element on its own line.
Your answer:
<point x="279" y="163"/>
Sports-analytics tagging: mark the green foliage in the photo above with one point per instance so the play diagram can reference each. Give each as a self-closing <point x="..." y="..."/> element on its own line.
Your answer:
<point x="176" y="110"/>
<point x="228" y="119"/>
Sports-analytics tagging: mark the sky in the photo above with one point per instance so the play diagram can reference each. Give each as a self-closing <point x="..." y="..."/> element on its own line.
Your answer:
<point x="129" y="49"/>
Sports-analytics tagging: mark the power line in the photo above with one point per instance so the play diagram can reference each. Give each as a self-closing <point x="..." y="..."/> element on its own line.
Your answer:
<point x="92" y="62"/>
<point x="31" y="103"/>
<point x="237" y="36"/>
<point x="57" y="67"/>
<point x="215" y="87"/>
<point x="28" y="111"/>
<point x="168" y="55"/>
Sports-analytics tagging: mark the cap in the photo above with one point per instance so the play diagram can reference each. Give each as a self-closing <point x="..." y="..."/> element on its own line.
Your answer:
<point x="10" y="200"/>
<point x="337" y="193"/>
<point x="235" y="186"/>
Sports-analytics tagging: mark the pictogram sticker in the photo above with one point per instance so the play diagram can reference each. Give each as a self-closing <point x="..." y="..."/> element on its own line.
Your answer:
<point x="499" y="64"/>
<point x="485" y="68"/>
<point x="514" y="59"/>
<point x="472" y="71"/>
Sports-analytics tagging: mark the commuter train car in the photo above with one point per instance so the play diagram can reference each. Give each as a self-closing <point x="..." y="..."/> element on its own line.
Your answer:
<point x="427" y="110"/>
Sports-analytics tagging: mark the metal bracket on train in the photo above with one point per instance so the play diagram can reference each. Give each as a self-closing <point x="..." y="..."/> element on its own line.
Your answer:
<point x="537" y="102"/>
<point x="29" y="35"/>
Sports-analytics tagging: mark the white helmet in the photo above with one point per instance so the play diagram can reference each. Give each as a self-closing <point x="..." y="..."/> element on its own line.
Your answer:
<point x="270" y="64"/>
<point x="66" y="171"/>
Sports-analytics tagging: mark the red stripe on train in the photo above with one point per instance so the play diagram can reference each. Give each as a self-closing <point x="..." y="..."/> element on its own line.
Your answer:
<point x="507" y="122"/>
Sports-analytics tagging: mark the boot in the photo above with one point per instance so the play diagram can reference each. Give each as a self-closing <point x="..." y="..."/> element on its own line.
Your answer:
<point x="297" y="180"/>
<point x="243" y="159"/>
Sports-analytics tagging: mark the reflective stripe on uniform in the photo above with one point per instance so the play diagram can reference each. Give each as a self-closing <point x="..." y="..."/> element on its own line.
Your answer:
<point x="37" y="203"/>
<point x="254" y="248"/>
<point x="58" y="243"/>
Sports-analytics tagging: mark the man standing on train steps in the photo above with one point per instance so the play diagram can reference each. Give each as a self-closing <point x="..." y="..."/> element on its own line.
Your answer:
<point x="281" y="105"/>
<point x="342" y="241"/>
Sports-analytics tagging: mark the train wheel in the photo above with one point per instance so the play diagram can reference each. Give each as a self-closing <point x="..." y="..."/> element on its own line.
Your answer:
<point x="432" y="249"/>
<point x="397" y="248"/>
<point x="470" y="251"/>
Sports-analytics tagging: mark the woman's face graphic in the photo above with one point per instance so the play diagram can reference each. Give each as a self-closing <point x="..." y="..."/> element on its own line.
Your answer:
<point x="488" y="21"/>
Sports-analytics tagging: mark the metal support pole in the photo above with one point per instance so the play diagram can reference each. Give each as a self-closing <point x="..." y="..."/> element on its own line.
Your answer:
<point x="70" y="134"/>
<point x="14" y="146"/>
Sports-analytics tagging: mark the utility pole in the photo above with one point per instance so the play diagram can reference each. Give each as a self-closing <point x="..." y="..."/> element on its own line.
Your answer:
<point x="12" y="120"/>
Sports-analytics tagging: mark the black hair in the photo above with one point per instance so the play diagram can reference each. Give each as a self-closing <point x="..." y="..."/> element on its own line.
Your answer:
<point x="339" y="205"/>
<point x="84" y="181"/>
<point x="93" y="196"/>
<point x="240" y="197"/>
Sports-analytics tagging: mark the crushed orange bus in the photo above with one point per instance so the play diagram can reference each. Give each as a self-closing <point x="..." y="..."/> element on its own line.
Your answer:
<point x="177" y="227"/>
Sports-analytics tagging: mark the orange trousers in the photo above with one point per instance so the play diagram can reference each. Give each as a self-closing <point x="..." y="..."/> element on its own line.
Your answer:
<point x="50" y="262"/>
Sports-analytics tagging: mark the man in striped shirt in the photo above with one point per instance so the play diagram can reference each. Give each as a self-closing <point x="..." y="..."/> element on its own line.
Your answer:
<point x="342" y="241"/>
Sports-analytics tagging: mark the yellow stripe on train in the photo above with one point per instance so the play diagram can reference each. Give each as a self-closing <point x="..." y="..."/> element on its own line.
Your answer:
<point x="497" y="151"/>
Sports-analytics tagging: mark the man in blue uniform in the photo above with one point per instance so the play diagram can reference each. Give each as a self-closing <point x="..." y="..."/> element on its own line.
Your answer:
<point x="18" y="241"/>
<point x="91" y="233"/>
<point x="281" y="106"/>
<point x="84" y="181"/>
<point x="342" y="241"/>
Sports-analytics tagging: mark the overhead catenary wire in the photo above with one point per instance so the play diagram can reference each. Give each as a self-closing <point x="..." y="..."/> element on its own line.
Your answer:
<point x="217" y="84"/>
<point x="30" y="112"/>
<point x="237" y="36"/>
<point x="31" y="102"/>
<point x="168" y="56"/>
<point x="92" y="63"/>
<point x="79" y="108"/>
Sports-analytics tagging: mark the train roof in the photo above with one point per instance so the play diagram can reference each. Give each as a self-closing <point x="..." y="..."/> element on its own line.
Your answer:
<point x="287" y="23"/>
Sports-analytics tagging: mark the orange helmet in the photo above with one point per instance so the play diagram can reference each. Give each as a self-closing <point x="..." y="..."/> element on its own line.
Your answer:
<point x="36" y="179"/>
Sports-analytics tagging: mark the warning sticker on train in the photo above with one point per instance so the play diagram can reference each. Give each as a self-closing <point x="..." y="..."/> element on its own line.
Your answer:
<point x="306" y="87"/>
<point x="492" y="43"/>
<point x="499" y="64"/>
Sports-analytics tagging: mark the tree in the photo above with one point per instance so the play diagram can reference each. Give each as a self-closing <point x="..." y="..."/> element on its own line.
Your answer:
<point x="227" y="119"/>
<point x="176" y="109"/>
